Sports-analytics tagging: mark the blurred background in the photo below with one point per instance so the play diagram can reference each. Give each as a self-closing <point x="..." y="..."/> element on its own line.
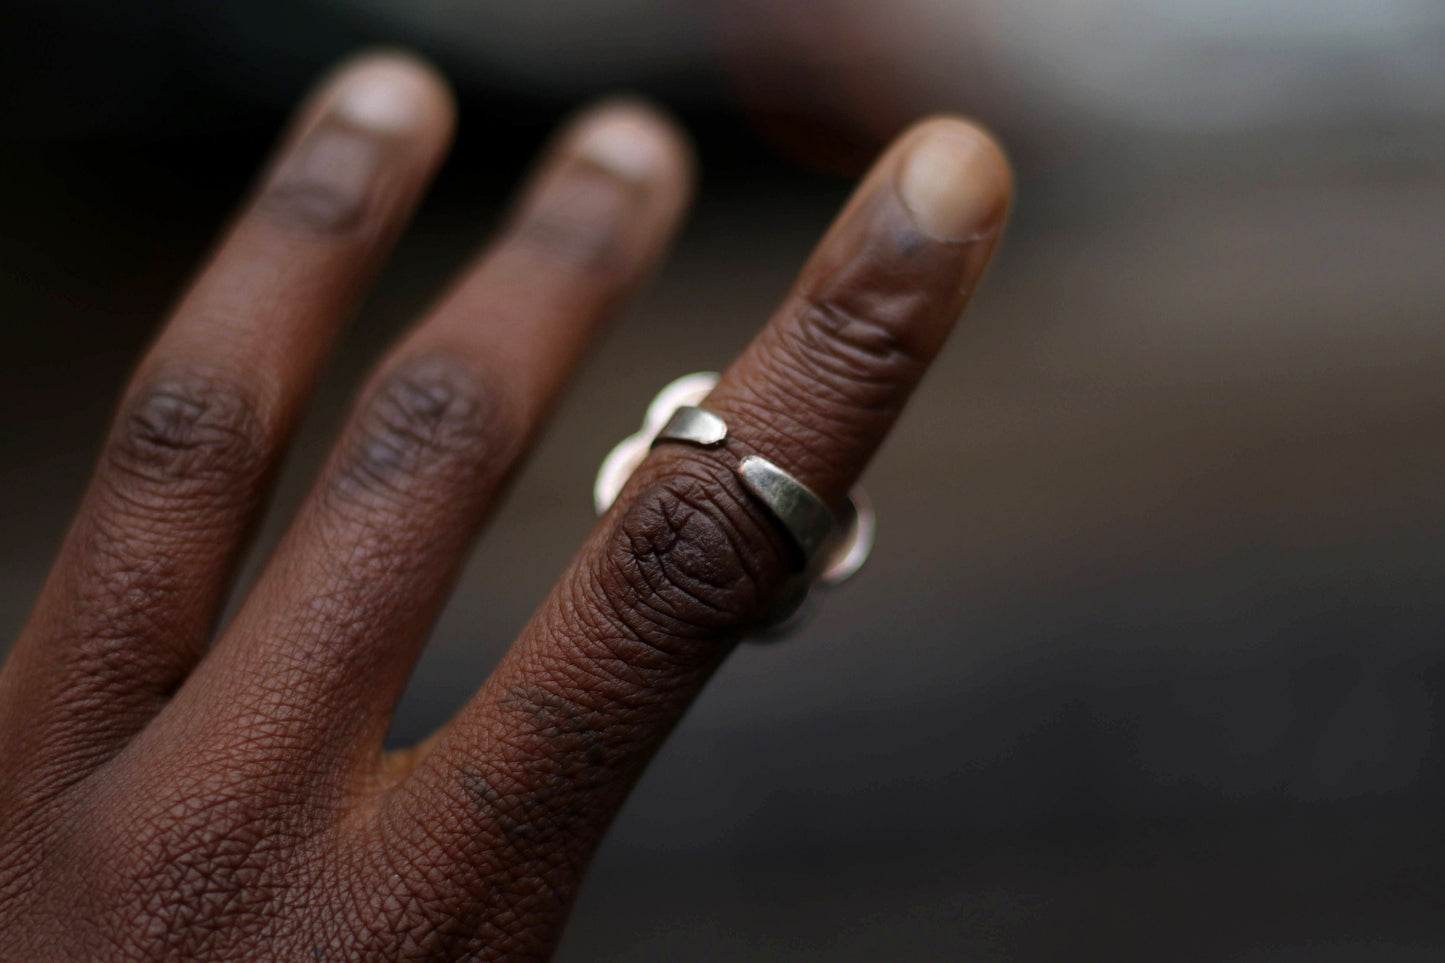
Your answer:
<point x="1150" y="658"/>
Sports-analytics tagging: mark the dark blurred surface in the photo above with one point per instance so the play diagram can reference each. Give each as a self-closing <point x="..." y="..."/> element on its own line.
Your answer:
<point x="1149" y="658"/>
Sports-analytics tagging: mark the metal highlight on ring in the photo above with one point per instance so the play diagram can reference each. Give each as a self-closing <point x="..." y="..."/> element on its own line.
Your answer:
<point x="694" y="426"/>
<point x="809" y="522"/>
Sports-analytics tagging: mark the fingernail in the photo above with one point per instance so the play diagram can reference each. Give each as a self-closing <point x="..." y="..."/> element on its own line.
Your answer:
<point x="625" y="143"/>
<point x="327" y="180"/>
<point x="952" y="183"/>
<point x="383" y="96"/>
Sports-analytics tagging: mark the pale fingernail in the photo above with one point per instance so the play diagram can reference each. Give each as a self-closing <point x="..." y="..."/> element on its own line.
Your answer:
<point x="384" y="96"/>
<point x="954" y="183"/>
<point x="327" y="180"/>
<point x="624" y="142"/>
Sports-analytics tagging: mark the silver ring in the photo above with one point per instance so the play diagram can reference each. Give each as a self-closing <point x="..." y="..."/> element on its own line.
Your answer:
<point x="833" y="548"/>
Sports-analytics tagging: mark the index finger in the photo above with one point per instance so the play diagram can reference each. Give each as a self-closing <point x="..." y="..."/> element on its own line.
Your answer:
<point x="519" y="788"/>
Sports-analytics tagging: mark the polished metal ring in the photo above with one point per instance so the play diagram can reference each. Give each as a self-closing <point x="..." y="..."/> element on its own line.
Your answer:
<point x="833" y="547"/>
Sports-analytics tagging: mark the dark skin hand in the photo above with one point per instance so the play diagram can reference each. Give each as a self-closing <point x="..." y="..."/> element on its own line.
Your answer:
<point x="167" y="794"/>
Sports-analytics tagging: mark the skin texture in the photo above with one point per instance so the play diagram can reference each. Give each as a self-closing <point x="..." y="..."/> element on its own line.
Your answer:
<point x="169" y="793"/>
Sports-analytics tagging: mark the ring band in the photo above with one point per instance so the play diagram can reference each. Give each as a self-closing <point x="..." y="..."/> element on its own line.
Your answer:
<point x="833" y="548"/>
<point x="695" y="426"/>
<point x="809" y="522"/>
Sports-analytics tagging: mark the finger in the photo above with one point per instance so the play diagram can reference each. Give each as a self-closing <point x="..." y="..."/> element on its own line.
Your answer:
<point x="337" y="618"/>
<point x="130" y="602"/>
<point x="510" y="800"/>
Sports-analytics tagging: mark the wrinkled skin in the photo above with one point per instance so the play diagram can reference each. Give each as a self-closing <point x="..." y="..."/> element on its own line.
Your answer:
<point x="167" y="793"/>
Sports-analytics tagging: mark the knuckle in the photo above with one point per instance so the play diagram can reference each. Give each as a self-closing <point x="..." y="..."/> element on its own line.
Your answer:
<point x="191" y="428"/>
<point x="569" y="240"/>
<point x="428" y="426"/>
<point x="684" y="562"/>
<point x="315" y="208"/>
<point x="848" y="346"/>
<point x="575" y="225"/>
<point x="326" y="186"/>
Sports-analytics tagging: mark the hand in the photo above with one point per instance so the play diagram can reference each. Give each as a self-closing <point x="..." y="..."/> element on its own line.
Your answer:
<point x="162" y="797"/>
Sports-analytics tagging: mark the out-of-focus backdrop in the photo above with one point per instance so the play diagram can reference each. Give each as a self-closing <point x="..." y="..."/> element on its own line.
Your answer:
<point x="1150" y="660"/>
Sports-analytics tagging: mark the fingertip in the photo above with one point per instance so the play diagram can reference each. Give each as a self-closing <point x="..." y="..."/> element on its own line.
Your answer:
<point x="954" y="179"/>
<point x="635" y="141"/>
<point x="363" y="145"/>
<point x="390" y="92"/>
